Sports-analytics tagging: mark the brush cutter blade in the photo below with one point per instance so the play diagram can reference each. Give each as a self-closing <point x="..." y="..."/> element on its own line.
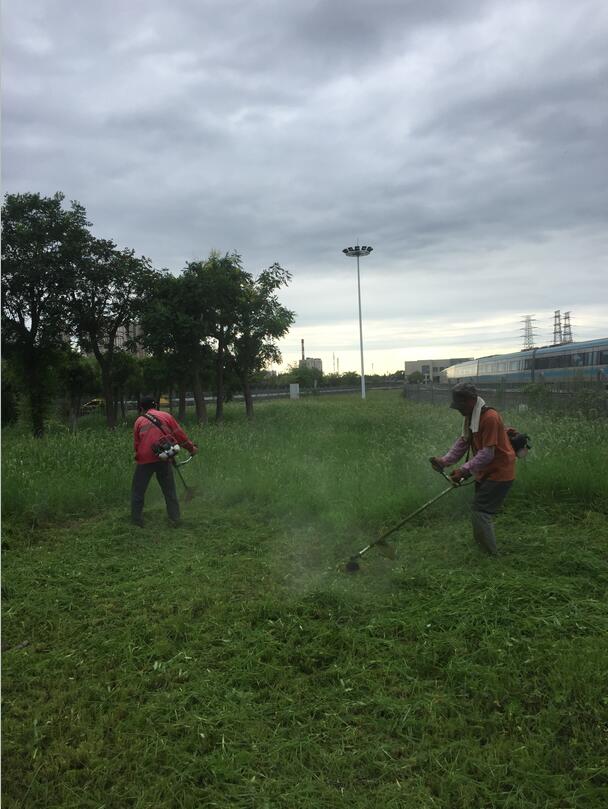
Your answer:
<point x="189" y="494"/>
<point x="352" y="566"/>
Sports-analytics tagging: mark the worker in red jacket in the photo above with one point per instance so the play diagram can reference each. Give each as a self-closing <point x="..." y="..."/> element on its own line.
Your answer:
<point x="492" y="462"/>
<point x="151" y="427"/>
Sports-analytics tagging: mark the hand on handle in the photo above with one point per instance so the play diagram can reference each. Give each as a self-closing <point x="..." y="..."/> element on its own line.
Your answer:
<point x="437" y="464"/>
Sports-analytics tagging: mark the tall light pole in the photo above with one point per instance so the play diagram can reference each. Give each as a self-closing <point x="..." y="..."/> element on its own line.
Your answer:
<point x="352" y="252"/>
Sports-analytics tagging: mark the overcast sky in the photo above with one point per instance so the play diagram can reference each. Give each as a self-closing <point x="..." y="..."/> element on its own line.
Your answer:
<point x="466" y="141"/>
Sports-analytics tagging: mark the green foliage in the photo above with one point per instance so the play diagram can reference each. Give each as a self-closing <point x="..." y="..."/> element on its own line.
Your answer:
<point x="415" y="378"/>
<point x="10" y="394"/>
<point x="306" y="377"/>
<point x="538" y="395"/>
<point x="41" y="246"/>
<point x="78" y="380"/>
<point x="78" y="375"/>
<point x="41" y="243"/>
<point x="232" y="663"/>
<point x="172" y="323"/>
<point x="155" y="374"/>
<point x="106" y="297"/>
<point x="61" y="282"/>
<point x="575" y="396"/>
<point x="216" y="287"/>
<point x="260" y="321"/>
<point x="350" y="378"/>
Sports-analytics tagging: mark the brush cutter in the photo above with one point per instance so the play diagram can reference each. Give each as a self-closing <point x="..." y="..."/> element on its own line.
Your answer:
<point x="190" y="491"/>
<point x="387" y="550"/>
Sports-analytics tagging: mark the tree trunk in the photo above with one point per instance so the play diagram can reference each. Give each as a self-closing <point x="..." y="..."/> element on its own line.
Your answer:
<point x="108" y="395"/>
<point x="170" y="399"/>
<point x="219" y="401"/>
<point x="181" y="413"/>
<point x="123" y="409"/>
<point x="199" y="399"/>
<point x="248" y="399"/>
<point x="36" y="391"/>
<point x="75" y="405"/>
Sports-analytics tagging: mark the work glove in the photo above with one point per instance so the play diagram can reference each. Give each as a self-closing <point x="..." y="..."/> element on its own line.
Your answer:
<point x="458" y="475"/>
<point x="437" y="464"/>
<point x="194" y="449"/>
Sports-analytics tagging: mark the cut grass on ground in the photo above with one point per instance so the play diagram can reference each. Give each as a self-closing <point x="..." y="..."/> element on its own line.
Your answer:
<point x="231" y="663"/>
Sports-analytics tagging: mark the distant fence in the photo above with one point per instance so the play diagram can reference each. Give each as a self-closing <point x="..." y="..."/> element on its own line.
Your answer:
<point x="283" y="392"/>
<point x="569" y="398"/>
<point x="258" y="394"/>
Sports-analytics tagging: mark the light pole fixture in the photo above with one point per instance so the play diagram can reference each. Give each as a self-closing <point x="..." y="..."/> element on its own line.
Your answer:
<point x="352" y="252"/>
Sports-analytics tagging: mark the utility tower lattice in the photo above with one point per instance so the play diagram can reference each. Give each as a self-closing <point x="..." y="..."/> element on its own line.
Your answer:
<point x="528" y="329"/>
<point x="557" y="328"/>
<point x="567" y="331"/>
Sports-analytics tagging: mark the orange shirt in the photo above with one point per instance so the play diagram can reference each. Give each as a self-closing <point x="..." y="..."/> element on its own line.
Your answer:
<point x="492" y="433"/>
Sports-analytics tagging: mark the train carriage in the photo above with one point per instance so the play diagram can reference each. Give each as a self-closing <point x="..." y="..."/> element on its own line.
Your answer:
<point x="586" y="360"/>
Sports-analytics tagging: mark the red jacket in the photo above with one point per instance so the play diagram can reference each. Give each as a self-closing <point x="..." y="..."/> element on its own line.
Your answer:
<point x="145" y="434"/>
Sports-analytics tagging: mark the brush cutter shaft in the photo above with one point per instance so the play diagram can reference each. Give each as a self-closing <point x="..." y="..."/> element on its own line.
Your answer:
<point x="414" y="513"/>
<point x="402" y="523"/>
<point x="189" y="490"/>
<point x="178" y="470"/>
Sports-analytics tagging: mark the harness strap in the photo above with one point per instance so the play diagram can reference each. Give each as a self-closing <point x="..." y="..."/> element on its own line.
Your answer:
<point x="156" y="422"/>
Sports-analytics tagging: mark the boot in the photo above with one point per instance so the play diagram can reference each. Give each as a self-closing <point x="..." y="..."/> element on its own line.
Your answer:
<point x="483" y="531"/>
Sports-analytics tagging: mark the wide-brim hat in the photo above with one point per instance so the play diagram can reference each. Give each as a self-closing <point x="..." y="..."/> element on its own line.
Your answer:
<point x="461" y="392"/>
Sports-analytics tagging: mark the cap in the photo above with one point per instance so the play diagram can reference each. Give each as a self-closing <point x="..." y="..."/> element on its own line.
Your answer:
<point x="147" y="402"/>
<point x="462" y="391"/>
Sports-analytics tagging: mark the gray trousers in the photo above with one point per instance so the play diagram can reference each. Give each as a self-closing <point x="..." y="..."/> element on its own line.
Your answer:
<point x="141" y="478"/>
<point x="488" y="500"/>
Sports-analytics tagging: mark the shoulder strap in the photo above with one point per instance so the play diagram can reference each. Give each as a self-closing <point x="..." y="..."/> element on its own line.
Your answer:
<point x="156" y="422"/>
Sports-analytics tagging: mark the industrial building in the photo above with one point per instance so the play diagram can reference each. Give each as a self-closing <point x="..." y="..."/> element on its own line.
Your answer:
<point x="312" y="362"/>
<point x="431" y="369"/>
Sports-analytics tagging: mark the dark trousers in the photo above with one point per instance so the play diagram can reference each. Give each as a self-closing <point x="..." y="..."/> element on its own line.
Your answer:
<point x="488" y="500"/>
<point x="141" y="478"/>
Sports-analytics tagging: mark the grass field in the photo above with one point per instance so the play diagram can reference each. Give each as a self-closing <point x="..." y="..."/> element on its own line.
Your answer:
<point x="231" y="662"/>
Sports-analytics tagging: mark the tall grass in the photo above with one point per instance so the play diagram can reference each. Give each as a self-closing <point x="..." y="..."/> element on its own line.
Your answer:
<point x="335" y="462"/>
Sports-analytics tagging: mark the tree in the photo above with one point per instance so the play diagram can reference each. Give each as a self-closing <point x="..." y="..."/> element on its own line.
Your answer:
<point x="154" y="375"/>
<point x="216" y="287"/>
<point x="350" y="378"/>
<point x="415" y="378"/>
<point x="126" y="377"/>
<point x="77" y="378"/>
<point x="9" y="411"/>
<point x="174" y="330"/>
<point x="260" y="320"/>
<point x="110" y="284"/>
<point x="42" y="243"/>
<point x="304" y="375"/>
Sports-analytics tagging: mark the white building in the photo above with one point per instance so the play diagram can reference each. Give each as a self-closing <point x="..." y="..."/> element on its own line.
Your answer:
<point x="312" y="362"/>
<point x="127" y="339"/>
<point x="430" y="369"/>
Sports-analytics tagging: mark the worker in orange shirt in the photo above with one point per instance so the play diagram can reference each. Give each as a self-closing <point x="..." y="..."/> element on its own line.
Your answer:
<point x="492" y="462"/>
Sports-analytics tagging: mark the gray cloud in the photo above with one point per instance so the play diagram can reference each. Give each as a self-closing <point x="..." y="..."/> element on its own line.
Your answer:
<point x="465" y="140"/>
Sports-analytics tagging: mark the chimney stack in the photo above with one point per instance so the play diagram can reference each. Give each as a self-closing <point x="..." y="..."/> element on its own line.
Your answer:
<point x="302" y="350"/>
